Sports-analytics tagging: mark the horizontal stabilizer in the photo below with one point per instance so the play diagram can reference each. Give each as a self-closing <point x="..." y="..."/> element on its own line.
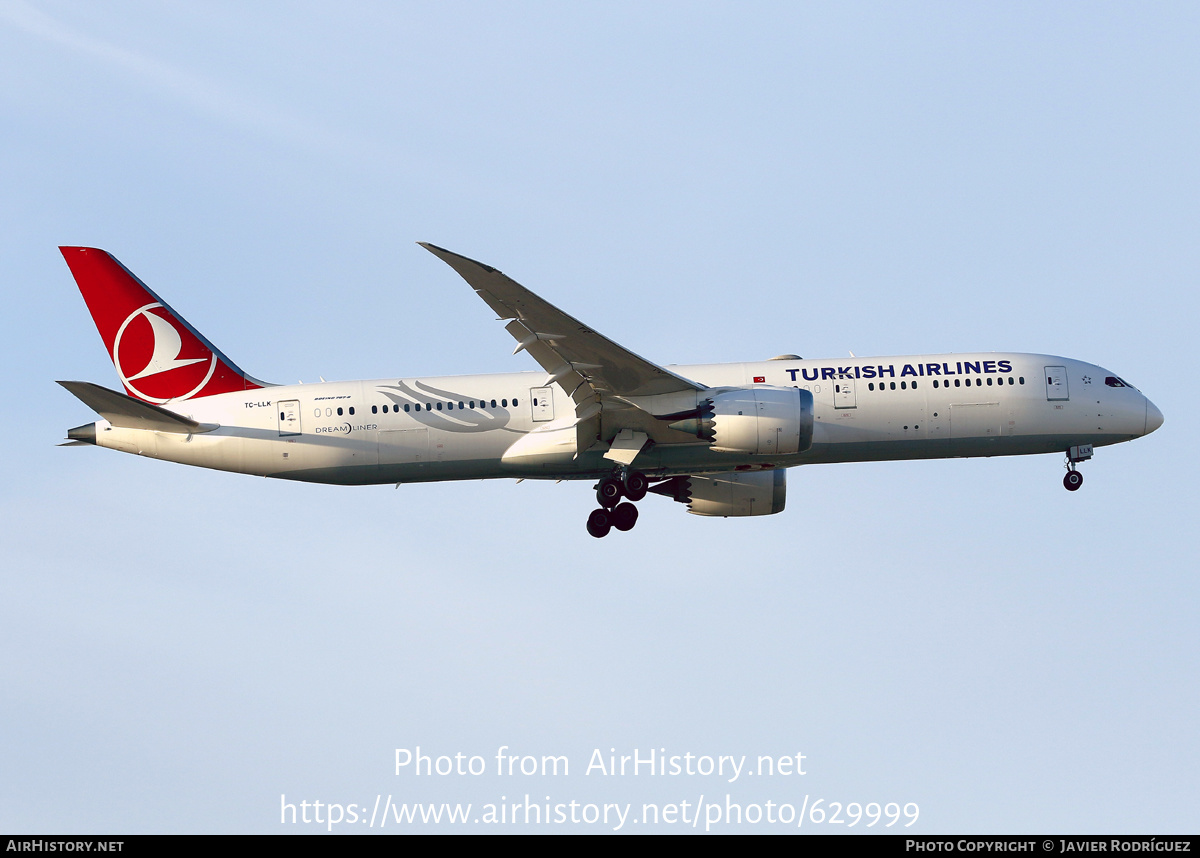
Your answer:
<point x="128" y="413"/>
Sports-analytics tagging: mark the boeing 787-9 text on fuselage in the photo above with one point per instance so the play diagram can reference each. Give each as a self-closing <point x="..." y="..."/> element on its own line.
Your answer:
<point x="716" y="437"/>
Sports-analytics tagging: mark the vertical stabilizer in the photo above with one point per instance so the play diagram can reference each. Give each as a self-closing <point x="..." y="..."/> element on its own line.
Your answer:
<point x="158" y="356"/>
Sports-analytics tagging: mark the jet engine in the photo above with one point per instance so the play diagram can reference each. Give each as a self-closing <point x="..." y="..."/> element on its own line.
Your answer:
<point x="734" y="494"/>
<point x="759" y="421"/>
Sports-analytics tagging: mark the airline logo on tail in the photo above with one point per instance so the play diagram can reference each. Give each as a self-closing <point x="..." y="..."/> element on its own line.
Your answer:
<point x="166" y="344"/>
<point x="158" y="356"/>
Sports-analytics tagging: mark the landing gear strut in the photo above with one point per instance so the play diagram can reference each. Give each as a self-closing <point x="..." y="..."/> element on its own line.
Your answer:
<point x="1073" y="480"/>
<point x="613" y="513"/>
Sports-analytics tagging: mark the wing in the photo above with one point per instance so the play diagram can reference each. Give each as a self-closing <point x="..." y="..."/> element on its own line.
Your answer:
<point x="600" y="376"/>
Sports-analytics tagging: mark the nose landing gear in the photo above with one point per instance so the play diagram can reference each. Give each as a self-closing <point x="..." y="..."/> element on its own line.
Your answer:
<point x="1073" y="480"/>
<point x="613" y="513"/>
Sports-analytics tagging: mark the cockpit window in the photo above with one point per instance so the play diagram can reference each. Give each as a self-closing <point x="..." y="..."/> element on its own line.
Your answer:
<point x="1113" y="381"/>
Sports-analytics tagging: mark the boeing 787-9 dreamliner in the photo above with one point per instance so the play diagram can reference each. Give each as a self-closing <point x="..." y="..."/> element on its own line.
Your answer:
<point x="716" y="437"/>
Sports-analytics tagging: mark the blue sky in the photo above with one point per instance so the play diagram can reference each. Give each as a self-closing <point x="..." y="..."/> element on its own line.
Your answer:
<point x="702" y="183"/>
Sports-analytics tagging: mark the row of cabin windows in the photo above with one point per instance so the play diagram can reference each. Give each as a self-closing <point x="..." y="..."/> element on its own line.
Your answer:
<point x="449" y="406"/>
<point x="979" y="381"/>
<point x="883" y="385"/>
<point x="945" y="383"/>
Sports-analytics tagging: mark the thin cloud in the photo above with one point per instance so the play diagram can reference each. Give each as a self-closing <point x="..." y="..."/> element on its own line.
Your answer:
<point x="200" y="93"/>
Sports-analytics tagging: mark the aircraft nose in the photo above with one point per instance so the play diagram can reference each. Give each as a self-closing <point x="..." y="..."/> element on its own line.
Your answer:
<point x="1154" y="417"/>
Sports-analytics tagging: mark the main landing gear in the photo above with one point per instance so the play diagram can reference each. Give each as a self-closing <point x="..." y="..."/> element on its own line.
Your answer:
<point x="613" y="513"/>
<point x="1073" y="480"/>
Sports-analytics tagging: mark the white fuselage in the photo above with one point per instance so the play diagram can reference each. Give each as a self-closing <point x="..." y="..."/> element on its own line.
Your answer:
<point x="481" y="426"/>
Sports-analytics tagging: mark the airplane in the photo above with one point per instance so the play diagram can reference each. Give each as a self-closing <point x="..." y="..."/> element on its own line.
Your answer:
<point x="716" y="437"/>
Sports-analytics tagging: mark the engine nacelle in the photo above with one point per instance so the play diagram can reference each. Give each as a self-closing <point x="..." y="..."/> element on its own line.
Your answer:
<point x="734" y="494"/>
<point x="762" y="421"/>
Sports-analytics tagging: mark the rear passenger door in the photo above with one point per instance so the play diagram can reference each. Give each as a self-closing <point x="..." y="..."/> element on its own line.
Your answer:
<point x="289" y="417"/>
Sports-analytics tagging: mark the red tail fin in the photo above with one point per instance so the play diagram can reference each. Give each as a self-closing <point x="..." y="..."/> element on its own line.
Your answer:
<point x="158" y="355"/>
